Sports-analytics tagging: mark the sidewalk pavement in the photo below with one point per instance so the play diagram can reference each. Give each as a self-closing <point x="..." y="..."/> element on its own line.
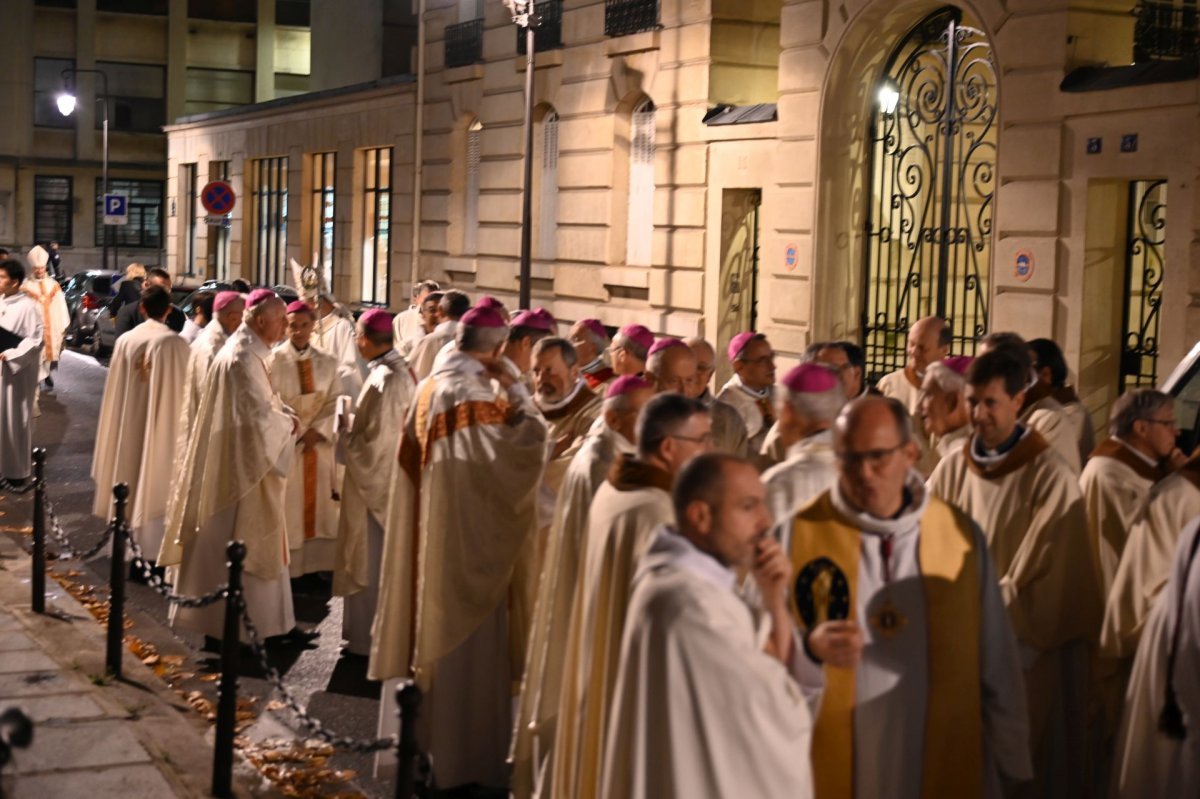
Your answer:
<point x="93" y="737"/>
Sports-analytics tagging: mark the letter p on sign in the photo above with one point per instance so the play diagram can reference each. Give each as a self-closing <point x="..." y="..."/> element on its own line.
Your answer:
<point x="116" y="209"/>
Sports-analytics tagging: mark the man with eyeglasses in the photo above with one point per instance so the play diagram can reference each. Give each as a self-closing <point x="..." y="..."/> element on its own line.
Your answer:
<point x="1027" y="500"/>
<point x="632" y="503"/>
<point x="899" y="601"/>
<point x="751" y="389"/>
<point x="728" y="429"/>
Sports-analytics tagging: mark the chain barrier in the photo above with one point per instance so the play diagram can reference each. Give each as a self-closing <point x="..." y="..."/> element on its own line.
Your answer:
<point x="16" y="488"/>
<point x="65" y="550"/>
<point x="165" y="589"/>
<point x="314" y="726"/>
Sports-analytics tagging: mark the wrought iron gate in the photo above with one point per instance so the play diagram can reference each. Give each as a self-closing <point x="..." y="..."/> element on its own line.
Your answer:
<point x="1144" y="268"/>
<point x="932" y="182"/>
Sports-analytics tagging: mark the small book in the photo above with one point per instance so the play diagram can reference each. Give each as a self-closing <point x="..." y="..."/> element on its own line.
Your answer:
<point x="8" y="339"/>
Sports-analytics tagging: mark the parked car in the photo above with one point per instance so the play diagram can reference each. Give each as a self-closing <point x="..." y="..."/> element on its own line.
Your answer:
<point x="87" y="295"/>
<point x="1184" y="385"/>
<point x="106" y="324"/>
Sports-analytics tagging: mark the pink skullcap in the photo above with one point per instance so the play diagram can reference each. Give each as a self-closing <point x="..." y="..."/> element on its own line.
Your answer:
<point x="811" y="378"/>
<point x="259" y="296"/>
<point x="482" y="317"/>
<point x="376" y="320"/>
<point x="488" y="301"/>
<point x="544" y="314"/>
<point x="596" y="326"/>
<point x="534" y="320"/>
<point x="738" y="343"/>
<point x="958" y="364"/>
<point x="639" y="334"/>
<point x="299" y="306"/>
<point x="224" y="298"/>
<point x="626" y="385"/>
<point x="665" y="344"/>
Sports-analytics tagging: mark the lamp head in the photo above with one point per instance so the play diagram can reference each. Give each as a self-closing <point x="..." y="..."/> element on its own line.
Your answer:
<point x="66" y="104"/>
<point x="889" y="97"/>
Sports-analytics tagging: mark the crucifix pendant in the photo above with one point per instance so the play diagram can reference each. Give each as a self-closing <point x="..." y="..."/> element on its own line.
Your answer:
<point x="888" y="620"/>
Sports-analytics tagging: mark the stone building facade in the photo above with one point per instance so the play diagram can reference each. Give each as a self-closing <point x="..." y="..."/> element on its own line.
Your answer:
<point x="703" y="166"/>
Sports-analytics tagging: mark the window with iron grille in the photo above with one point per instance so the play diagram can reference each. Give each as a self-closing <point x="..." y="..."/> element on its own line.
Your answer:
<point x="269" y="203"/>
<point x="324" y="168"/>
<point x="471" y="193"/>
<point x="547" y="223"/>
<point x="188" y="210"/>
<point x="47" y="83"/>
<point x="547" y="30"/>
<point x="52" y="209"/>
<point x="624" y="17"/>
<point x="377" y="222"/>
<point x="464" y="43"/>
<point x="640" y="230"/>
<point x="218" y="236"/>
<point x="144" y="228"/>
<point x="1166" y="30"/>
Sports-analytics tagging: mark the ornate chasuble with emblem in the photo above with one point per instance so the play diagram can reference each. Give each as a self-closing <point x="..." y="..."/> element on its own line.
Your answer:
<point x="825" y="551"/>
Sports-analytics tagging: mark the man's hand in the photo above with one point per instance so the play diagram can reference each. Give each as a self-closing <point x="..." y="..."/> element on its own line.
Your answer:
<point x="3" y="356"/>
<point x="310" y="439"/>
<point x="1175" y="459"/>
<point x="772" y="572"/>
<point x="838" y="643"/>
<point x="295" y="424"/>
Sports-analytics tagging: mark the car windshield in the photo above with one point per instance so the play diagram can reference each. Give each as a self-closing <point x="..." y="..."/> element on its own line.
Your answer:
<point x="102" y="284"/>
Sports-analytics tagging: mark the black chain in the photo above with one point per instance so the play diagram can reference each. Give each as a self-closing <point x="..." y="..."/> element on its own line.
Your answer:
<point x="14" y="488"/>
<point x="314" y="726"/>
<point x="65" y="550"/>
<point x="165" y="589"/>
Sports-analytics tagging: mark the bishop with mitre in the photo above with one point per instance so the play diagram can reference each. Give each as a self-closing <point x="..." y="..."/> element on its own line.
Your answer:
<point x="47" y="293"/>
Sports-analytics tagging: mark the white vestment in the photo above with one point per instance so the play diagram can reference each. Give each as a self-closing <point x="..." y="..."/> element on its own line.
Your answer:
<point x="335" y="335"/>
<point x="206" y="346"/>
<point x="629" y="506"/>
<point x="20" y="316"/>
<point x="700" y="711"/>
<point x="232" y="488"/>
<point x="136" y="437"/>
<point x="1147" y="762"/>
<point x="55" y="317"/>
<point x="368" y="448"/>
<point x="1115" y="483"/>
<point x="755" y="408"/>
<point x="1047" y="416"/>
<point x="537" y="711"/>
<point x="309" y="383"/>
<point x="407" y="325"/>
<point x="954" y="440"/>
<point x="810" y="468"/>
<point x="728" y="429"/>
<point x="460" y="512"/>
<point x="426" y="350"/>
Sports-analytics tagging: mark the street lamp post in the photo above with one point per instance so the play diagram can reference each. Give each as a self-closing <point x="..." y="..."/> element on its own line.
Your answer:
<point x="66" y="106"/>
<point x="523" y="15"/>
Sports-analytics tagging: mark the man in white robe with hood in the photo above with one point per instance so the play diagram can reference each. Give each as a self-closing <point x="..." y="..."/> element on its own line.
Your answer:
<point x="942" y="409"/>
<point x="334" y="333"/>
<point x="612" y="436"/>
<point x="810" y="401"/>
<point x="728" y="429"/>
<point x="712" y="692"/>
<point x="20" y="317"/>
<point x="751" y="389"/>
<point x="136" y="436"/>
<point x="228" y="308"/>
<point x="368" y="448"/>
<point x="233" y="482"/>
<point x="48" y="294"/>
<point x="451" y="308"/>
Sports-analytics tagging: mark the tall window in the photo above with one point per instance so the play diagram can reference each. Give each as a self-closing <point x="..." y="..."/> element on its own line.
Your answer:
<point x="187" y="209"/>
<point x="640" y="230"/>
<point x="377" y="221"/>
<point x="218" y="237"/>
<point x="144" y="228"/>
<point x="324" y="166"/>
<point x="471" y="194"/>
<point x="47" y="83"/>
<point x="138" y="96"/>
<point x="270" y="220"/>
<point x="548" y="194"/>
<point x="52" y="209"/>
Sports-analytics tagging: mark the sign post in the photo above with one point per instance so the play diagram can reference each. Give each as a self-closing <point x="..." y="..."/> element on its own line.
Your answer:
<point x="116" y="209"/>
<point x="218" y="199"/>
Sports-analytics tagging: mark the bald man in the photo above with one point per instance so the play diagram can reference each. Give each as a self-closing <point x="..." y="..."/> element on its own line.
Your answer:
<point x="928" y="342"/>
<point x="728" y="429"/>
<point x="671" y="366"/>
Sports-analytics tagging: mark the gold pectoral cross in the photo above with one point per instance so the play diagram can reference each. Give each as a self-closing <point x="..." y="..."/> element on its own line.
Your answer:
<point x="143" y="367"/>
<point x="888" y="619"/>
<point x="822" y="587"/>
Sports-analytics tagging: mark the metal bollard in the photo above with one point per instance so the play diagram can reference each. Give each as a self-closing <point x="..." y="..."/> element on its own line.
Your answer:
<point x="38" y="577"/>
<point x="222" y="779"/>
<point x="408" y="699"/>
<point x="116" y="582"/>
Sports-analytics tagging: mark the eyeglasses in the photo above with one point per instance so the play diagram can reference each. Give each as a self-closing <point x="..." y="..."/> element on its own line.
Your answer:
<point x="701" y="440"/>
<point x="762" y="360"/>
<point x="1167" y="422"/>
<point x="874" y="458"/>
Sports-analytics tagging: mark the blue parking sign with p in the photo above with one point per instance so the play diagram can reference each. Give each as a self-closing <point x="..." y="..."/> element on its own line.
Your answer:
<point x="116" y="209"/>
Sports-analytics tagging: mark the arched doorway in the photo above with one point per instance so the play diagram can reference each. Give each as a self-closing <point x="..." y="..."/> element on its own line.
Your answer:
<point x="931" y="188"/>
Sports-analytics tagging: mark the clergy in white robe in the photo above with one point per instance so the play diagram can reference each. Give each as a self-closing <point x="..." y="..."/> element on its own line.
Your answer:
<point x="368" y="448"/>
<point x="410" y="323"/>
<point x="1027" y="500"/>
<point x="728" y="429"/>
<point x="1121" y="471"/>
<point x="611" y="436"/>
<point x="334" y="334"/>
<point x="942" y="409"/>
<point x="569" y="407"/>
<point x="751" y="389"/>
<point x="228" y="308"/>
<point x="629" y="350"/>
<point x="233" y="482"/>
<point x="712" y="691"/>
<point x="633" y="502"/>
<point x="810" y="398"/>
<point x="928" y="342"/>
<point x="307" y="380"/>
<point x="20" y="316"/>
<point x="1158" y="750"/>
<point x="47" y="293"/>
<point x="591" y="342"/>
<point x="136" y="436"/>
<point x="1051" y="369"/>
<point x="448" y="557"/>
<point x="451" y="307"/>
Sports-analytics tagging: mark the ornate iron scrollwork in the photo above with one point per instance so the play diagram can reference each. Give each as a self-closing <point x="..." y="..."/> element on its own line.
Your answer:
<point x="931" y="195"/>
<point x="1145" y="266"/>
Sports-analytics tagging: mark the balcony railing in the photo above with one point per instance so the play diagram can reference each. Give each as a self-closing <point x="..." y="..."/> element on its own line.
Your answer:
<point x="464" y="43"/>
<point x="1165" y="31"/>
<point x="547" y="33"/>
<point x="623" y="17"/>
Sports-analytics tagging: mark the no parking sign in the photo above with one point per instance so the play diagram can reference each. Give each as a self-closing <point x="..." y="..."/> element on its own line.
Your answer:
<point x="218" y="198"/>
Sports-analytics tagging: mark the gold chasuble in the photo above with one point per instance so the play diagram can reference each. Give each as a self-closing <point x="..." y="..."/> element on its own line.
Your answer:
<point x="825" y="548"/>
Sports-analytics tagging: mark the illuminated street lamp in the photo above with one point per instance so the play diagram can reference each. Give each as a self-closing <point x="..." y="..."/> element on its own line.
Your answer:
<point x="889" y="97"/>
<point x="523" y="15"/>
<point x="66" y="106"/>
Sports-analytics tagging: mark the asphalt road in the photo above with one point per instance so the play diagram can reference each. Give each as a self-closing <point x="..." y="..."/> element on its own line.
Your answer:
<point x="333" y="688"/>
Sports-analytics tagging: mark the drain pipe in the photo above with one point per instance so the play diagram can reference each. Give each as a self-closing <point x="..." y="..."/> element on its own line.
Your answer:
<point x="418" y="147"/>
